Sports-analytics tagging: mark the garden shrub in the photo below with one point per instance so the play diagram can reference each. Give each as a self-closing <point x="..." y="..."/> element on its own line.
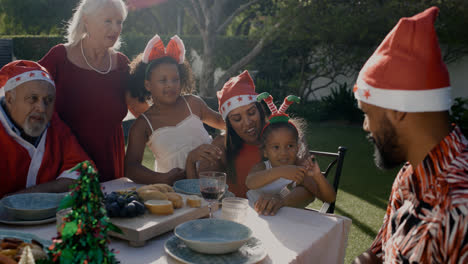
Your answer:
<point x="341" y="105"/>
<point x="459" y="114"/>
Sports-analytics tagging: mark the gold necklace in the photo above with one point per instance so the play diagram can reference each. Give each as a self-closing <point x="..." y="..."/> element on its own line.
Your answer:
<point x="96" y="70"/>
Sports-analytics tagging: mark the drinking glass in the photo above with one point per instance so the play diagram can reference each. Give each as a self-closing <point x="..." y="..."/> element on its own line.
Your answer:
<point x="234" y="209"/>
<point x="212" y="186"/>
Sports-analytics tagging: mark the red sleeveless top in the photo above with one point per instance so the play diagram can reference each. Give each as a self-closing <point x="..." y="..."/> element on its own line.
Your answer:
<point x="248" y="156"/>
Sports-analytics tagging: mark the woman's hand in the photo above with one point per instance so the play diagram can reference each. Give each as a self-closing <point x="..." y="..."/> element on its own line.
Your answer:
<point x="174" y="175"/>
<point x="268" y="204"/>
<point x="206" y="152"/>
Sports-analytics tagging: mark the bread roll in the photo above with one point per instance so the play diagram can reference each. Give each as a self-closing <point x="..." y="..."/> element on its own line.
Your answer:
<point x="163" y="187"/>
<point x="151" y="195"/>
<point x="6" y="260"/>
<point x="9" y="252"/>
<point x="176" y="199"/>
<point x="160" y="207"/>
<point x="194" y="201"/>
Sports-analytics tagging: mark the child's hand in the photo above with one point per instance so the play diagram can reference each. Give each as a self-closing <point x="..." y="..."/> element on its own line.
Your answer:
<point x="293" y="173"/>
<point x="268" y="204"/>
<point x="312" y="166"/>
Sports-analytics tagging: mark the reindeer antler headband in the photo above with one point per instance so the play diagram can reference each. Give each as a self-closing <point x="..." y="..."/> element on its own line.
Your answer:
<point x="278" y="115"/>
<point x="155" y="50"/>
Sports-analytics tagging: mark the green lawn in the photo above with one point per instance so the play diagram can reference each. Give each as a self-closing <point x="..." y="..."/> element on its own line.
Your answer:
<point x="364" y="189"/>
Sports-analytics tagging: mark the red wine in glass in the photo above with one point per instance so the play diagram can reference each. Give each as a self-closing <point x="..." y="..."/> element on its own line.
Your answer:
<point x="212" y="184"/>
<point x="211" y="193"/>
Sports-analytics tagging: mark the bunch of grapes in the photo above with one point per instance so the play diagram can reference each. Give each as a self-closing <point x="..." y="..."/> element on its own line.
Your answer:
<point x="125" y="204"/>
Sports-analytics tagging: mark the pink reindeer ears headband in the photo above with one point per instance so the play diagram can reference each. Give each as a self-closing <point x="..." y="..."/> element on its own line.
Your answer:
<point x="155" y="50"/>
<point x="280" y="115"/>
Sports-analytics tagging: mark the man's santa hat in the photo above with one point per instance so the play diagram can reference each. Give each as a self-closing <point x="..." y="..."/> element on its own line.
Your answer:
<point x="238" y="91"/>
<point x="406" y="72"/>
<point x="18" y="72"/>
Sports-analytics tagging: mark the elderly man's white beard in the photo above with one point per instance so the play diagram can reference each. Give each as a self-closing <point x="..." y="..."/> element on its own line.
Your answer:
<point x="35" y="128"/>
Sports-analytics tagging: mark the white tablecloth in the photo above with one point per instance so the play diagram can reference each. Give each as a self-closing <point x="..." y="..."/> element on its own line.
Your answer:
<point x="291" y="236"/>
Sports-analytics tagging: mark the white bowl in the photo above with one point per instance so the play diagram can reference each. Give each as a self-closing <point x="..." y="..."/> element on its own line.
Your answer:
<point x="32" y="206"/>
<point x="213" y="236"/>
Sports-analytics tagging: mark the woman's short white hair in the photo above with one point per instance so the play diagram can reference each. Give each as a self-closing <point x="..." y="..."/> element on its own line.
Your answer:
<point x="76" y="29"/>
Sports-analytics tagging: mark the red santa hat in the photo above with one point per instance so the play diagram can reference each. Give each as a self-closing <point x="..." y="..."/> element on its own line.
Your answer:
<point x="238" y="91"/>
<point x="18" y="72"/>
<point x="406" y="72"/>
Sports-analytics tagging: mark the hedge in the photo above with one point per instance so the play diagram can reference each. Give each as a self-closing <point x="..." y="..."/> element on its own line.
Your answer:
<point x="228" y="51"/>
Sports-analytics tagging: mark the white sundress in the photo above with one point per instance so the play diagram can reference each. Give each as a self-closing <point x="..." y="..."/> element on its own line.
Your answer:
<point x="276" y="187"/>
<point x="171" y="144"/>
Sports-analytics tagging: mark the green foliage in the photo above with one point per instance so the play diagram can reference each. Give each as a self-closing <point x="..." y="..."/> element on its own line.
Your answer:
<point x="34" y="16"/>
<point x="459" y="114"/>
<point x="33" y="47"/>
<point x="341" y="105"/>
<point x="231" y="48"/>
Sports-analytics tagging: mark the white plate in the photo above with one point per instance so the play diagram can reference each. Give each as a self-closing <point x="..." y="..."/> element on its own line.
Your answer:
<point x="24" y="236"/>
<point x="251" y="252"/>
<point x="192" y="186"/>
<point x="10" y="220"/>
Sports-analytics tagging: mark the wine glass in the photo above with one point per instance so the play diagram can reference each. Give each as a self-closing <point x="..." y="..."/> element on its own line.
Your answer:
<point x="212" y="186"/>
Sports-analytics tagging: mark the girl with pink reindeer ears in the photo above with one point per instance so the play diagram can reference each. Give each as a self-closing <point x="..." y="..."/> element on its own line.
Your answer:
<point x="173" y="126"/>
<point x="282" y="146"/>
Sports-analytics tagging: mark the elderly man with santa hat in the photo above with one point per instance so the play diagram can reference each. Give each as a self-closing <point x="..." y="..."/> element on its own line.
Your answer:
<point x="37" y="150"/>
<point x="404" y="92"/>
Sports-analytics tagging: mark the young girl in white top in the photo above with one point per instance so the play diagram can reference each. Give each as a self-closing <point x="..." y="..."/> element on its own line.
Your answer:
<point x="281" y="146"/>
<point x="173" y="126"/>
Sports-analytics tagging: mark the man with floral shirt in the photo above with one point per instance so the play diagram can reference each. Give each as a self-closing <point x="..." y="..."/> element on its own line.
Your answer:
<point x="404" y="92"/>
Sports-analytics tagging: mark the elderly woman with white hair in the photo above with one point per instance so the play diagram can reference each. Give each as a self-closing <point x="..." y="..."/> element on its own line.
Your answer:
<point x="90" y="77"/>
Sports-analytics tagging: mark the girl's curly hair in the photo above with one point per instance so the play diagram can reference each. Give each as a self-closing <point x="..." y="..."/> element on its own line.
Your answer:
<point x="138" y="75"/>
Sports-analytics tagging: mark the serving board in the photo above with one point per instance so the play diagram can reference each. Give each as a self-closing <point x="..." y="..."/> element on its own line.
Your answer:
<point x="141" y="228"/>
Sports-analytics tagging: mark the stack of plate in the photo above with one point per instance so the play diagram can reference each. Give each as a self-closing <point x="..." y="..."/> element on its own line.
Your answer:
<point x="214" y="241"/>
<point x="30" y="208"/>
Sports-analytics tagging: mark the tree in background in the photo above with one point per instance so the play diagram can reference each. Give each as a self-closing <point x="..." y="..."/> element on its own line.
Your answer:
<point x="291" y="43"/>
<point x="34" y="17"/>
<point x="211" y="19"/>
<point x="329" y="39"/>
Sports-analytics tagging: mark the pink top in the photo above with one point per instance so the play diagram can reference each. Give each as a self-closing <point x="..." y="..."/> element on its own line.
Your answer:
<point x="93" y="106"/>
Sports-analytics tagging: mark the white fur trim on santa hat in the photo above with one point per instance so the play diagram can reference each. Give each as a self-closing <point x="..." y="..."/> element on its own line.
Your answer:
<point x="236" y="101"/>
<point x="433" y="100"/>
<point x="19" y="79"/>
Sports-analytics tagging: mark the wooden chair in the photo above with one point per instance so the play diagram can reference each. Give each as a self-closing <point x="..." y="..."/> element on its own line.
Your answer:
<point x="337" y="159"/>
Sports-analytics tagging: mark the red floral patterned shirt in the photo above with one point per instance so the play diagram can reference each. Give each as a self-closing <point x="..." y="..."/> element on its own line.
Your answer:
<point x="427" y="215"/>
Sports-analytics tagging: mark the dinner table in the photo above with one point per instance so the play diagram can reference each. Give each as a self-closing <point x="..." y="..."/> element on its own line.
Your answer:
<point x="293" y="235"/>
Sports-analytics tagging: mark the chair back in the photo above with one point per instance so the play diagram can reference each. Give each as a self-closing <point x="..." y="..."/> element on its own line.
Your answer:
<point x="6" y="51"/>
<point x="337" y="159"/>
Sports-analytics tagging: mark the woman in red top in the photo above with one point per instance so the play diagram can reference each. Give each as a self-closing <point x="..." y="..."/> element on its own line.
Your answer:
<point x="245" y="119"/>
<point x="90" y="77"/>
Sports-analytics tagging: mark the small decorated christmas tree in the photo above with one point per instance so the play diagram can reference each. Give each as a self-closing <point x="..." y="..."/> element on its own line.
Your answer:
<point x="83" y="237"/>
